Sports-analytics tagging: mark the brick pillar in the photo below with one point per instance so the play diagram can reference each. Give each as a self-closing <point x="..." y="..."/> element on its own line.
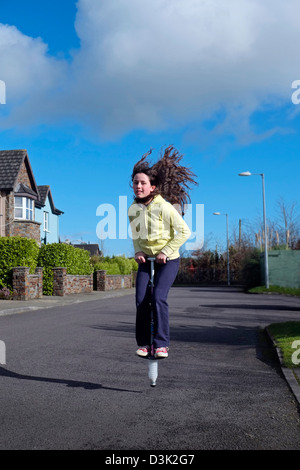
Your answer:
<point x="100" y="280"/>
<point x="59" y="281"/>
<point x="20" y="283"/>
<point x="39" y="272"/>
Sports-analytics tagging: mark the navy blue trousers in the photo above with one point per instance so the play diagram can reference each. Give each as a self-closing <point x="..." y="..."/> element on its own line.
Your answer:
<point x="165" y="275"/>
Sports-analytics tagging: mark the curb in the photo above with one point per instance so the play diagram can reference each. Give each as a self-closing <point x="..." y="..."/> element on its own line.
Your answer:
<point x="289" y="374"/>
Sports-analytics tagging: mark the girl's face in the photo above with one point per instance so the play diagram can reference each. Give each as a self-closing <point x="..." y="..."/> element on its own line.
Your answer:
<point x="141" y="185"/>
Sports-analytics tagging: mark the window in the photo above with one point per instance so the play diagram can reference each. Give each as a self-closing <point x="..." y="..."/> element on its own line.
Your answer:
<point x="23" y="208"/>
<point x="46" y="221"/>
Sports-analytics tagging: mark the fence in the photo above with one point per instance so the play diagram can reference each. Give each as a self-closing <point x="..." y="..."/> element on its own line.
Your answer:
<point x="284" y="268"/>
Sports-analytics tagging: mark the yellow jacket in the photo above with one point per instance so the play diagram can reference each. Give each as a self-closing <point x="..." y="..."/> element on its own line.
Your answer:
<point x="157" y="227"/>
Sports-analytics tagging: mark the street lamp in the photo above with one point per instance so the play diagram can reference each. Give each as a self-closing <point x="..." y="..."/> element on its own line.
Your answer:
<point x="247" y="173"/>
<point x="228" y="268"/>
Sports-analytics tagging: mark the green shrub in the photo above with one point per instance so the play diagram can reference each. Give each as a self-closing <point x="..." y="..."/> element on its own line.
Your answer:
<point x="16" y="251"/>
<point x="76" y="260"/>
<point x="110" y="268"/>
<point x="116" y="265"/>
<point x="126" y="265"/>
<point x="251" y="274"/>
<point x="134" y="264"/>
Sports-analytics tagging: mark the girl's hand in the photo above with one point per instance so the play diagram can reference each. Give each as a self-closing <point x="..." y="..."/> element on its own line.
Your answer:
<point x="161" y="258"/>
<point x="140" y="257"/>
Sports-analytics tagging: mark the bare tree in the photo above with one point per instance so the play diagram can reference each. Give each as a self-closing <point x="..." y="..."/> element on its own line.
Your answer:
<point x="288" y="223"/>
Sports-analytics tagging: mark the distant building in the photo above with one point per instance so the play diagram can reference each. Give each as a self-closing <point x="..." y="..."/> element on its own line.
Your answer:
<point x="93" y="248"/>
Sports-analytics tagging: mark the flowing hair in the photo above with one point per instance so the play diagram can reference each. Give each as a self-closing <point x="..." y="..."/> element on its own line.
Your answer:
<point x="171" y="179"/>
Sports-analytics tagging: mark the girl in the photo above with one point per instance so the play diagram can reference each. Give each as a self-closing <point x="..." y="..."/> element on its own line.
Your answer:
<point x="158" y="230"/>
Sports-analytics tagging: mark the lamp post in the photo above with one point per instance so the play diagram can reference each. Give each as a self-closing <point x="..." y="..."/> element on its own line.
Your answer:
<point x="227" y="237"/>
<point x="247" y="173"/>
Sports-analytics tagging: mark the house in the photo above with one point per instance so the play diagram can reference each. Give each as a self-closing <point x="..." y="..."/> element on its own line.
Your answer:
<point x="92" y="248"/>
<point x="47" y="215"/>
<point x="26" y="209"/>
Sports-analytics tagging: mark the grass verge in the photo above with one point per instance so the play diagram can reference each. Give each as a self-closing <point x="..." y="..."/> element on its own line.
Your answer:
<point x="287" y="338"/>
<point x="275" y="290"/>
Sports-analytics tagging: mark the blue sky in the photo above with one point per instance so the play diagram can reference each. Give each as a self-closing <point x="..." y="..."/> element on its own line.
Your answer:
<point x="92" y="85"/>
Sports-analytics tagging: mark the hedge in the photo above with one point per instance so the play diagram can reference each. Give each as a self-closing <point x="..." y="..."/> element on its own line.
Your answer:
<point x="116" y="265"/>
<point x="16" y="251"/>
<point x="76" y="260"/>
<point x="19" y="251"/>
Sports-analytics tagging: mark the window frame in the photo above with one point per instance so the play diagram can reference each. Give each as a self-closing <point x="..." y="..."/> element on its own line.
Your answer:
<point x="46" y="221"/>
<point x="26" y="206"/>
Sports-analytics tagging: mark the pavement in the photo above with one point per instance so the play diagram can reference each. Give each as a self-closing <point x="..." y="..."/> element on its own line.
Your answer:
<point x="10" y="307"/>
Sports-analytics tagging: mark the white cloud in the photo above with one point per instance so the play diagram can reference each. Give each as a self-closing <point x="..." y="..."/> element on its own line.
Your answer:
<point x="24" y="62"/>
<point x="156" y="63"/>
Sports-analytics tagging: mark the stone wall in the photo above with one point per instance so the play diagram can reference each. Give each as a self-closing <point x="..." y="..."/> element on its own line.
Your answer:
<point x="30" y="286"/>
<point x="27" y="286"/>
<point x="105" y="282"/>
<point x="66" y="284"/>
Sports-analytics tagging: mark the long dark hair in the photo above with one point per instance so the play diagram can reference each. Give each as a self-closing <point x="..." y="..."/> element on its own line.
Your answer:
<point x="171" y="179"/>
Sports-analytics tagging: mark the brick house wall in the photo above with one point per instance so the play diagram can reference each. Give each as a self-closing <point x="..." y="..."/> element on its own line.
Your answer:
<point x="23" y="177"/>
<point x="9" y="214"/>
<point x="26" y="229"/>
<point x="23" y="228"/>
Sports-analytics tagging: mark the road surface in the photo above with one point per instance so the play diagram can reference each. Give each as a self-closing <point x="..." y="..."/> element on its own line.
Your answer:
<point x="72" y="380"/>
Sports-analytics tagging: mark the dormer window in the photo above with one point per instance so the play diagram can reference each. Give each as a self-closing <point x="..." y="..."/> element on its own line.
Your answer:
<point x="24" y="208"/>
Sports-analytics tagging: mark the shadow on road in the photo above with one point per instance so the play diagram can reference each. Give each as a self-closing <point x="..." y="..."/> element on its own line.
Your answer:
<point x="222" y="333"/>
<point x="276" y="307"/>
<point x="70" y="383"/>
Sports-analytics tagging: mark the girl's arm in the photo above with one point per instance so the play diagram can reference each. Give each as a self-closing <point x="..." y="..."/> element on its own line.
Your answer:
<point x="179" y="231"/>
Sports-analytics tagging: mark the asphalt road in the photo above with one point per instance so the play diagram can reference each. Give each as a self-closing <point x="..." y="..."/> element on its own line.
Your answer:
<point x="72" y="380"/>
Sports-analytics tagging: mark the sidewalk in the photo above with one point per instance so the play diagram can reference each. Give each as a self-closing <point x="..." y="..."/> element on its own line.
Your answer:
<point x="9" y="307"/>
